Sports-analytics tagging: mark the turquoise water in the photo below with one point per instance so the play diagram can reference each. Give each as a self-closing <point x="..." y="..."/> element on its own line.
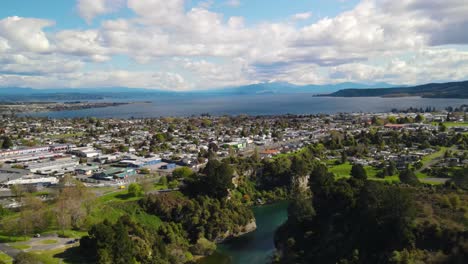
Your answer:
<point x="256" y="247"/>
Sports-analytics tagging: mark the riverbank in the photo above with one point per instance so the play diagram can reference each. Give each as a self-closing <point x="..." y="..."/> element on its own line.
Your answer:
<point x="255" y="247"/>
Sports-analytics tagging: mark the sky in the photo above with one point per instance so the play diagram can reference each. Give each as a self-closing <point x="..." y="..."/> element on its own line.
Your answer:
<point x="208" y="44"/>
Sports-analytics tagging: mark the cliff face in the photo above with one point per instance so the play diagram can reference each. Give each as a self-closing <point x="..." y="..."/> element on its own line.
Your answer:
<point x="242" y="230"/>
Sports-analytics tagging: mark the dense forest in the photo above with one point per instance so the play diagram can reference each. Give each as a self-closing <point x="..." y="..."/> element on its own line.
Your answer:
<point x="360" y="221"/>
<point x="432" y="90"/>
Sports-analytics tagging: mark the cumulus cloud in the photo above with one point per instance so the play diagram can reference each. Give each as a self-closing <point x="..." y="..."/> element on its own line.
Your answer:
<point x="89" y="9"/>
<point x="24" y="34"/>
<point x="406" y="41"/>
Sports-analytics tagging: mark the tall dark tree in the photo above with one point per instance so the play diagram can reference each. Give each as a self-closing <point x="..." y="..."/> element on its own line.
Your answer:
<point x="358" y="172"/>
<point x="215" y="180"/>
<point x="407" y="176"/>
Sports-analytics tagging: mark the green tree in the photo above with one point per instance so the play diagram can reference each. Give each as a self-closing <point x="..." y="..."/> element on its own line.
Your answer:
<point x="6" y="142"/>
<point x="215" y="180"/>
<point x="358" y="172"/>
<point x="182" y="173"/>
<point x="135" y="190"/>
<point x="407" y="176"/>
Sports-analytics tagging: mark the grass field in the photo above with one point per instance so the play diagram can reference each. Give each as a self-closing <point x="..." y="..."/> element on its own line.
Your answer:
<point x="344" y="170"/>
<point x="64" y="136"/>
<point x="455" y="124"/>
<point x="4" y="258"/>
<point x="20" y="246"/>
<point x="12" y="239"/>
<point x="426" y="159"/>
<point x="69" y="255"/>
<point x="49" y="242"/>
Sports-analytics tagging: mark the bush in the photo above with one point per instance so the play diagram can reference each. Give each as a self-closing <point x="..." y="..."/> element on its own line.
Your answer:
<point x="135" y="190"/>
<point x="203" y="247"/>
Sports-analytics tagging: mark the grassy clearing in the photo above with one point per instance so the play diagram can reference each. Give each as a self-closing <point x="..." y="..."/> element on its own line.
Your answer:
<point x="13" y="239"/>
<point x="120" y="196"/>
<point x="69" y="255"/>
<point x="49" y="242"/>
<point x="64" y="136"/>
<point x="4" y="258"/>
<point x="456" y="124"/>
<point x="158" y="187"/>
<point x="20" y="246"/>
<point x="344" y="170"/>
<point x="428" y="158"/>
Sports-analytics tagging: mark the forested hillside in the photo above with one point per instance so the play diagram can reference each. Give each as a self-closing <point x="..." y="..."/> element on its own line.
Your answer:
<point x="433" y="90"/>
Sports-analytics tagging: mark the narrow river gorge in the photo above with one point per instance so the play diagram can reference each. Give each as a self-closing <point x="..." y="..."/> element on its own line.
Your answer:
<point x="256" y="247"/>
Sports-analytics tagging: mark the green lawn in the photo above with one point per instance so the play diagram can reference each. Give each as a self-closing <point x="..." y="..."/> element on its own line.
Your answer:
<point x="121" y="196"/>
<point x="12" y="239"/>
<point x="435" y="155"/>
<point x="160" y="187"/>
<point x="455" y="124"/>
<point x="344" y="170"/>
<point x="64" y="136"/>
<point x="5" y="258"/>
<point x="49" y="242"/>
<point x="69" y="255"/>
<point x="20" y="246"/>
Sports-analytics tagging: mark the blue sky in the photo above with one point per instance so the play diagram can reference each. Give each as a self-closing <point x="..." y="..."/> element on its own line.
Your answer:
<point x="203" y="44"/>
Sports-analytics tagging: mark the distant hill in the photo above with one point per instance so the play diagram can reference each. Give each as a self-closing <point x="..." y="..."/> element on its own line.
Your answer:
<point x="288" y="88"/>
<point x="431" y="90"/>
<point x="30" y="94"/>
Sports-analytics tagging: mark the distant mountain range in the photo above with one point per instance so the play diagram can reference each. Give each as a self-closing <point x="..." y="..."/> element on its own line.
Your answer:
<point x="288" y="88"/>
<point x="431" y="90"/>
<point x="28" y="94"/>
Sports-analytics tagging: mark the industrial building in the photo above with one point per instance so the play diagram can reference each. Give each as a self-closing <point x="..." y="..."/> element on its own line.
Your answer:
<point x="86" y="170"/>
<point x="114" y="173"/>
<point x="85" y="152"/>
<point x="140" y="162"/>
<point x="51" y="166"/>
<point x="9" y="174"/>
<point x="32" y="154"/>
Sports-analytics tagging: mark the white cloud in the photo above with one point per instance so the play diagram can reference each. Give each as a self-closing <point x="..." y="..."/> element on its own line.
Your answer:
<point x="302" y="16"/>
<point x="89" y="9"/>
<point x="24" y="34"/>
<point x="233" y="3"/>
<point x="378" y="40"/>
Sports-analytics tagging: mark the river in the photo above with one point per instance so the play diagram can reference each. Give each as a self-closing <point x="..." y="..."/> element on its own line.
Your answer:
<point x="256" y="247"/>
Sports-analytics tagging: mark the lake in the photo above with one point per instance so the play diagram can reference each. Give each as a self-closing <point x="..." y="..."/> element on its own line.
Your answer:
<point x="256" y="247"/>
<point x="272" y="104"/>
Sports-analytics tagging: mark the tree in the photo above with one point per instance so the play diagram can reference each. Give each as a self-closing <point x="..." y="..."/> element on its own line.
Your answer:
<point x="215" y="180"/>
<point x="407" y="176"/>
<point x="135" y="190"/>
<point x="344" y="157"/>
<point x="17" y="191"/>
<point x="6" y="142"/>
<point x="442" y="127"/>
<point x="358" y="172"/>
<point x="419" y="118"/>
<point x="182" y="173"/>
<point x="74" y="202"/>
<point x="33" y="217"/>
<point x="26" y="258"/>
<point x="163" y="180"/>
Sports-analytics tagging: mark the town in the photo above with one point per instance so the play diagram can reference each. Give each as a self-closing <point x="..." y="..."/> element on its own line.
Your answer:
<point x="84" y="170"/>
<point x="116" y="152"/>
